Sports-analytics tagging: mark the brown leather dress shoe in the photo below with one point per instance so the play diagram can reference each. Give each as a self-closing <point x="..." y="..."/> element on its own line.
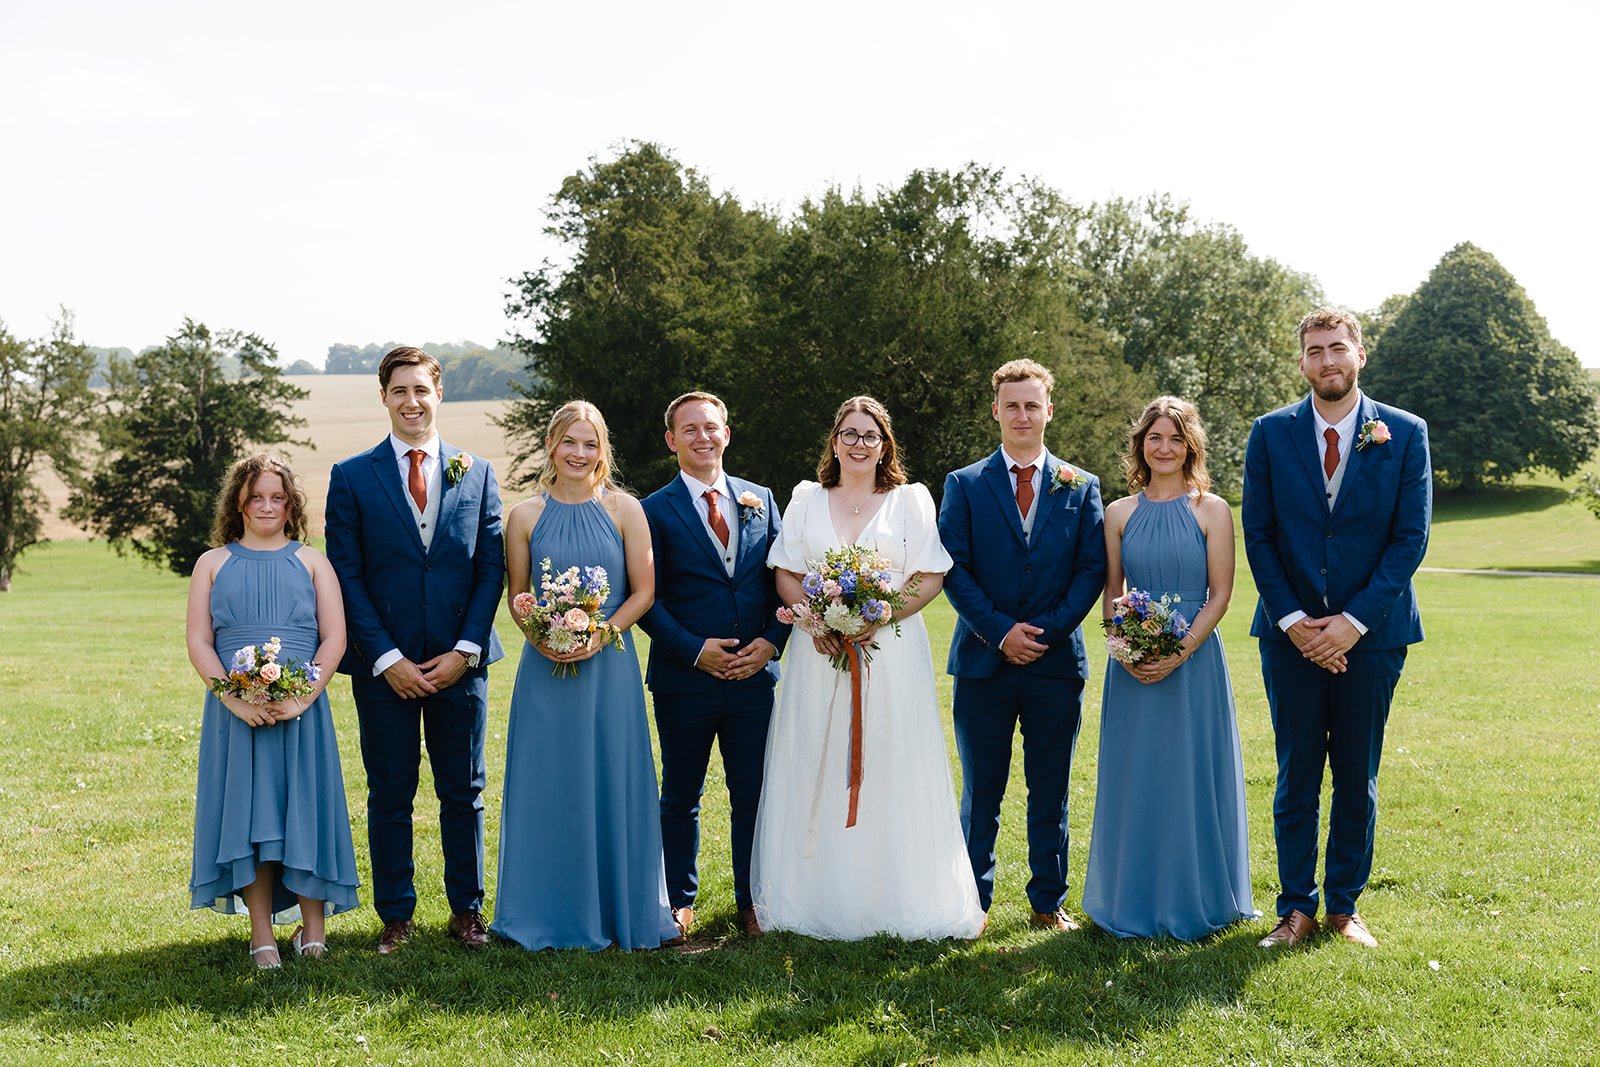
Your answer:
<point x="1051" y="920"/>
<point x="396" y="932"/>
<point x="684" y="918"/>
<point x="748" y="923"/>
<point x="1292" y="929"/>
<point x="467" y="927"/>
<point x="1352" y="928"/>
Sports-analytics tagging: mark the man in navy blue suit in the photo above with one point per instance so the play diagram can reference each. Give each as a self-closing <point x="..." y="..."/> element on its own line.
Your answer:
<point x="714" y="644"/>
<point x="1026" y="532"/>
<point x="1338" y="495"/>
<point x="414" y="535"/>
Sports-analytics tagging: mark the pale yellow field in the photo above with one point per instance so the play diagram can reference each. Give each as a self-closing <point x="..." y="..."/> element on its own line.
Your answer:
<point x="344" y="416"/>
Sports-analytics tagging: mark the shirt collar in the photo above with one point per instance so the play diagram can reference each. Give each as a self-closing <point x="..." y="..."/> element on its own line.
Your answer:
<point x="1013" y="461"/>
<point x="697" y="488"/>
<point x="430" y="446"/>
<point x="1346" y="426"/>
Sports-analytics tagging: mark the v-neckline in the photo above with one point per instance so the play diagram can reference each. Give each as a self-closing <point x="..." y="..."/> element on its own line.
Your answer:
<point x="828" y="503"/>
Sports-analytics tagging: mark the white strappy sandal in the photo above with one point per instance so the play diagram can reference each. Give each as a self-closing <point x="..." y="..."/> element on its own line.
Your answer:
<point x="266" y="964"/>
<point x="314" y="950"/>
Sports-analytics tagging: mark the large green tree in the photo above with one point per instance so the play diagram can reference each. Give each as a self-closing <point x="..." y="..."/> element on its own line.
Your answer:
<point x="655" y="300"/>
<point x="1470" y="353"/>
<point x="176" y="424"/>
<point x="1192" y="305"/>
<point x="45" y="406"/>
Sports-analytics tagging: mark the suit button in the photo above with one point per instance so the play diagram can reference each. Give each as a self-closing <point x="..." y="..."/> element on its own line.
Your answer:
<point x="1330" y="534"/>
<point x="1027" y="568"/>
<point x="1324" y="570"/>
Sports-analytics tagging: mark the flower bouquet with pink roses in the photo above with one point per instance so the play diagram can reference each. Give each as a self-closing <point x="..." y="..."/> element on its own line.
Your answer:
<point x="1144" y="629"/>
<point x="256" y="677"/>
<point x="566" y="613"/>
<point x="847" y="590"/>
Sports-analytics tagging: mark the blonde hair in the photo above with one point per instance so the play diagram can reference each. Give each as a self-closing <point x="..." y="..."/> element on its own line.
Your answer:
<point x="1186" y="417"/>
<point x="571" y="412"/>
<point x="228" y="524"/>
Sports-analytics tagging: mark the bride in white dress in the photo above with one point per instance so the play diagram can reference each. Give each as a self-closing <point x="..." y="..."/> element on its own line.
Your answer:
<point x="902" y="868"/>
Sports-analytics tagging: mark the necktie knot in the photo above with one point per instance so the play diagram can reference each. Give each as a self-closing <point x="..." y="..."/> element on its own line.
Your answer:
<point x="1330" y="455"/>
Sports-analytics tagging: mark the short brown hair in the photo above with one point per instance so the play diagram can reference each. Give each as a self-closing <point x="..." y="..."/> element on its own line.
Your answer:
<point x="406" y="356"/>
<point x="890" y="473"/>
<point x="1329" y="319"/>
<point x="1020" y="370"/>
<point x="1186" y="417"/>
<point x="690" y="398"/>
<point x="228" y="524"/>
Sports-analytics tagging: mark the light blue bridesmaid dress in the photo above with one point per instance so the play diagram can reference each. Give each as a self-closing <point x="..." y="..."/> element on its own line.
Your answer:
<point x="1169" y="853"/>
<point x="580" y="826"/>
<point x="269" y="793"/>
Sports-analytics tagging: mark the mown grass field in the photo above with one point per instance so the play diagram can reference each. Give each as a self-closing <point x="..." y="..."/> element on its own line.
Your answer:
<point x="1486" y="893"/>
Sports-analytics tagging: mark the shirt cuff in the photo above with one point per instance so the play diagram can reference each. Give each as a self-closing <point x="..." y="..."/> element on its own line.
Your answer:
<point x="1355" y="622"/>
<point x="1290" y="619"/>
<point x="472" y="651"/>
<point x="387" y="660"/>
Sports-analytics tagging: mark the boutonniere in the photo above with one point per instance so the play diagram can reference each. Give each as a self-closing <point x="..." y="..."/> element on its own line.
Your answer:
<point x="1373" y="432"/>
<point x="750" y="507"/>
<point x="1067" y="477"/>
<point x="457" y="466"/>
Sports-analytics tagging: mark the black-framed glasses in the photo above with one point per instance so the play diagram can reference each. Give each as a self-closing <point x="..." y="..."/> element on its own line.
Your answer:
<point x="872" y="438"/>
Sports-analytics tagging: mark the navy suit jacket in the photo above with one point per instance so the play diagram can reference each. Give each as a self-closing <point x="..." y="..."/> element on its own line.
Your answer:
<point x="695" y="597"/>
<point x="1356" y="557"/>
<point x="395" y="594"/>
<point x="1000" y="579"/>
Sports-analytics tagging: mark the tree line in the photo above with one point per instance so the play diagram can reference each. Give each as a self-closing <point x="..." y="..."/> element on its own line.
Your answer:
<point x="913" y="294"/>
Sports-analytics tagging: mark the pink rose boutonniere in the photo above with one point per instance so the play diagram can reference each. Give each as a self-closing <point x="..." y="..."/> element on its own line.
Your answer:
<point x="750" y="507"/>
<point x="457" y="466"/>
<point x="1067" y="477"/>
<point x="1373" y="432"/>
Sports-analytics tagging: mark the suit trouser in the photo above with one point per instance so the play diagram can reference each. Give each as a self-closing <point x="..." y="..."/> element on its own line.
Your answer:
<point x="987" y="713"/>
<point x="736" y="715"/>
<point x="1335" y="719"/>
<point x="392" y="729"/>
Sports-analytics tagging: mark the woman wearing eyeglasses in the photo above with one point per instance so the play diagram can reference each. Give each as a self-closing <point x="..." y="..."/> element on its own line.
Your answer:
<point x="857" y="831"/>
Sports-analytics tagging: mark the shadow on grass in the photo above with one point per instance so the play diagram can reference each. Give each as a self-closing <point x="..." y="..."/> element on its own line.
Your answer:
<point x="870" y="1001"/>
<point x="1451" y="505"/>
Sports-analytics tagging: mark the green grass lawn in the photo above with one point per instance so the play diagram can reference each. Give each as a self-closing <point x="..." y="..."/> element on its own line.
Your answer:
<point x="1486" y="892"/>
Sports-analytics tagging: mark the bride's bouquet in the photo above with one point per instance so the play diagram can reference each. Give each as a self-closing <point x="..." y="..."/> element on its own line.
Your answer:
<point x="1142" y="628"/>
<point x="256" y="677"/>
<point x="566" y="612"/>
<point x="847" y="590"/>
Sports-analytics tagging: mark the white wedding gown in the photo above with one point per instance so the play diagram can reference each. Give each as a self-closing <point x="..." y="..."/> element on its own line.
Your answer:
<point x="903" y="868"/>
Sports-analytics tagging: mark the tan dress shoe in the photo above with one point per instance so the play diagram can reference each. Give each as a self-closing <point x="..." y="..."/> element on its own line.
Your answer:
<point x="1352" y="928"/>
<point x="467" y="927"/>
<point x="748" y="923"/>
<point x="1292" y="929"/>
<point x="1050" y="920"/>
<point x="684" y="918"/>
<point x="396" y="932"/>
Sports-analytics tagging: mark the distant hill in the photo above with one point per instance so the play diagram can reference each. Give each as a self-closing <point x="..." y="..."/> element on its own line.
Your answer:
<point x="471" y="371"/>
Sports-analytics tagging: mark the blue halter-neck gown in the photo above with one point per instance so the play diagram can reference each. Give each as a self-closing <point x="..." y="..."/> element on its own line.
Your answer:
<point x="1169" y="854"/>
<point x="269" y="793"/>
<point x="580" y="826"/>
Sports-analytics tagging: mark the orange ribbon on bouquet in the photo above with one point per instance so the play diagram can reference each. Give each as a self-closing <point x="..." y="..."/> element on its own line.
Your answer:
<point x="853" y="651"/>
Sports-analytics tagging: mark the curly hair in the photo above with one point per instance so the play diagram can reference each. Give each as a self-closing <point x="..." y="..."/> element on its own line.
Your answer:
<point x="1186" y="418"/>
<point x="228" y="524"/>
<point x="890" y="473"/>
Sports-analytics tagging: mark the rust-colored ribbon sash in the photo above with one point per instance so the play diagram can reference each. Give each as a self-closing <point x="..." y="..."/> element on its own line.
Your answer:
<point x="853" y="651"/>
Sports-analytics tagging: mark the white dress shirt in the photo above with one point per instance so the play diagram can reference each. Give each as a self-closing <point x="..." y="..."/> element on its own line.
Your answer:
<point x="1037" y="480"/>
<point x="1346" y="428"/>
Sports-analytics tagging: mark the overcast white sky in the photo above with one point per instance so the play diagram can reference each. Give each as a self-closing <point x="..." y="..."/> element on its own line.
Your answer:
<point x="363" y="172"/>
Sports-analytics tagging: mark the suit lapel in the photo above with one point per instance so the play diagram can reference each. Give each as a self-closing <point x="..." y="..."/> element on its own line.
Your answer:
<point x="1358" y="456"/>
<point x="1045" y="511"/>
<point x="999" y="480"/>
<point x="1302" y="437"/>
<point x="689" y="514"/>
<point x="386" y="472"/>
<point x="449" y="495"/>
<point x="746" y="533"/>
